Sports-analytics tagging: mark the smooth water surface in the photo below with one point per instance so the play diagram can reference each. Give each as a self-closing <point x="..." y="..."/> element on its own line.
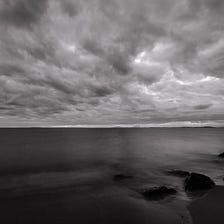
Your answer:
<point x="65" y="176"/>
<point x="40" y="159"/>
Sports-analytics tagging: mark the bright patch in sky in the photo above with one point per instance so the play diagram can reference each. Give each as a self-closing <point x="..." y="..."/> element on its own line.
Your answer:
<point x="144" y="58"/>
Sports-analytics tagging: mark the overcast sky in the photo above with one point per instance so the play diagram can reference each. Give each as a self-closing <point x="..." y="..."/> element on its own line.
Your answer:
<point x="72" y="62"/>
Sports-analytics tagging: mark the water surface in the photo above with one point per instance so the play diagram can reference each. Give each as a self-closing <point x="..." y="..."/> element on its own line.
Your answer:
<point x="80" y="163"/>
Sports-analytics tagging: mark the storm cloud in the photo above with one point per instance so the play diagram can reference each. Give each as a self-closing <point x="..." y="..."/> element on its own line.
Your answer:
<point x="22" y="13"/>
<point x="69" y="62"/>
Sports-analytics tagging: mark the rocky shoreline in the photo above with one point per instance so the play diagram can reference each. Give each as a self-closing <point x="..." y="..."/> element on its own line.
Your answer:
<point x="155" y="205"/>
<point x="195" y="184"/>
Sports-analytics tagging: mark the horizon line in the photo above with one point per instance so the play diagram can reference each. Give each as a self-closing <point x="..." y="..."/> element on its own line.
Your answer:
<point x="184" y="124"/>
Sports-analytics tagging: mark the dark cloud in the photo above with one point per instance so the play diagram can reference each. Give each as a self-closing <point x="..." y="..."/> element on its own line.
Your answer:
<point x="214" y="64"/>
<point x="113" y="57"/>
<point x="216" y="6"/>
<point x="22" y="13"/>
<point x="202" y="106"/>
<point x="70" y="7"/>
<point x="43" y="52"/>
<point x="111" y="61"/>
<point x="119" y="62"/>
<point x="93" y="47"/>
<point x="103" y="91"/>
<point x="10" y="70"/>
<point x="31" y="102"/>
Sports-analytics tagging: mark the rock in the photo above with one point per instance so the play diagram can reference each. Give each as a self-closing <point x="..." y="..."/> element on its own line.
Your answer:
<point x="221" y="155"/>
<point x="197" y="181"/>
<point x="157" y="193"/>
<point x="120" y="176"/>
<point x="178" y="173"/>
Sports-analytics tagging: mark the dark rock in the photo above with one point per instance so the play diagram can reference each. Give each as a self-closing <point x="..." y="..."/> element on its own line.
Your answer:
<point x="178" y="173"/>
<point x="157" y="193"/>
<point x="119" y="177"/>
<point x="221" y="155"/>
<point x="197" y="181"/>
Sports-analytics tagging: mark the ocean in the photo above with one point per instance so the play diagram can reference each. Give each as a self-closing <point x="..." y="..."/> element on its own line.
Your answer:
<point x="44" y="171"/>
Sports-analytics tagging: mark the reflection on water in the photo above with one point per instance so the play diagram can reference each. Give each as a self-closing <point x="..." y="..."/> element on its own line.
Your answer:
<point x="38" y="160"/>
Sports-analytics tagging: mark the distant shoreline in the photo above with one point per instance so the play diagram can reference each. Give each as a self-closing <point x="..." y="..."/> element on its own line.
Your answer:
<point x="103" y="127"/>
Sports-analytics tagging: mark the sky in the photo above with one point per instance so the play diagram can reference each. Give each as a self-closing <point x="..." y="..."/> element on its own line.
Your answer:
<point x="108" y="62"/>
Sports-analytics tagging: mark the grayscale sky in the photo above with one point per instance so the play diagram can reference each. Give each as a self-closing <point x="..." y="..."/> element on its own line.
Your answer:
<point x="81" y="62"/>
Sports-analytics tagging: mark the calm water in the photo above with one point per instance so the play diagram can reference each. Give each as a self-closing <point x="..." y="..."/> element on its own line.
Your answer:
<point x="42" y="160"/>
<point x="65" y="176"/>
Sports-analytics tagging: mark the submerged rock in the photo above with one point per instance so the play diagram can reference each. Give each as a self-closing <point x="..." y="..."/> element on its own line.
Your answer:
<point x="120" y="176"/>
<point x="197" y="181"/>
<point x="157" y="193"/>
<point x="178" y="173"/>
<point x="221" y="155"/>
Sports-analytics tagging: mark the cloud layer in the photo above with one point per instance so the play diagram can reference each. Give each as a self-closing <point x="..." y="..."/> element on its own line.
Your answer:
<point x="67" y="62"/>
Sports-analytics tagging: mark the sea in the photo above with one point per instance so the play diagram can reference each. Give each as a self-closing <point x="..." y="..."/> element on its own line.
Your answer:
<point x="59" y="175"/>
